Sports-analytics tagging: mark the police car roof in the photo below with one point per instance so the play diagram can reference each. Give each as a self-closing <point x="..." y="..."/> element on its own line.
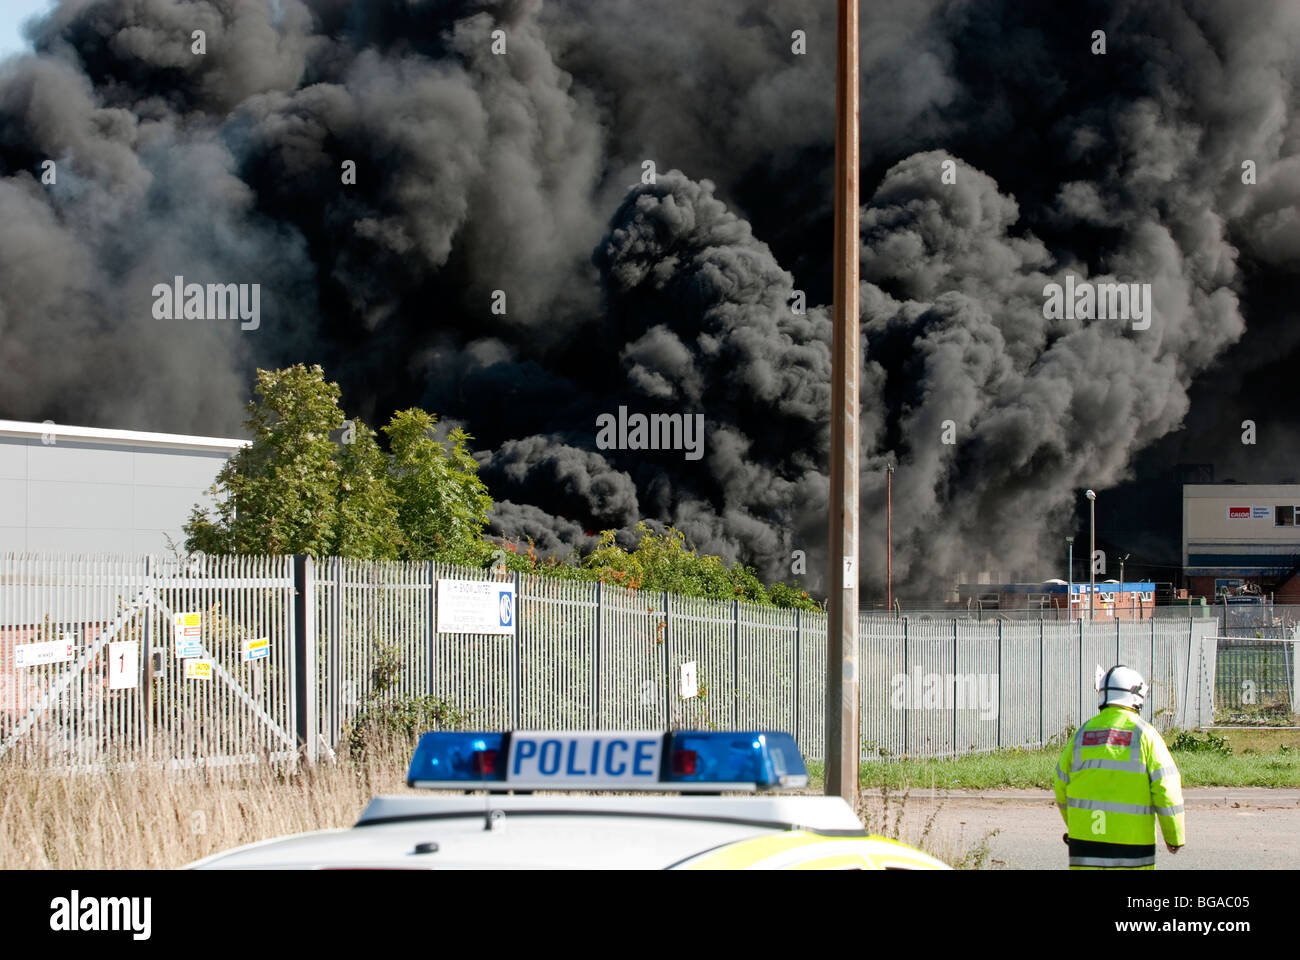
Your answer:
<point x="780" y="811"/>
<point x="542" y="831"/>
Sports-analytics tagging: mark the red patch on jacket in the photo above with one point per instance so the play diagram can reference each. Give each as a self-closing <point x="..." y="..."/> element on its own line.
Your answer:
<point x="1104" y="738"/>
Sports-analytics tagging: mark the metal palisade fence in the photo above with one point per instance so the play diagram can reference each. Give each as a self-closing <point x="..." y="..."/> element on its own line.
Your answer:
<point x="234" y="657"/>
<point x="91" y="670"/>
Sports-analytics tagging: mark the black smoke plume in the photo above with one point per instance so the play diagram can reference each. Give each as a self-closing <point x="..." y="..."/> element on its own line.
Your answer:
<point x="504" y="259"/>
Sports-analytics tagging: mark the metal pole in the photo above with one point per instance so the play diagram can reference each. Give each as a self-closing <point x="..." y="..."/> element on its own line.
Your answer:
<point x="432" y="627"/>
<point x="1069" y="591"/>
<point x="889" y="537"/>
<point x="516" y="658"/>
<point x="1092" y="553"/>
<point x="798" y="624"/>
<point x="735" y="664"/>
<point x="842" y="554"/>
<point x="997" y="742"/>
<point x="147" y="652"/>
<point x="668" y="678"/>
<point x="304" y="666"/>
<point x="595" y="660"/>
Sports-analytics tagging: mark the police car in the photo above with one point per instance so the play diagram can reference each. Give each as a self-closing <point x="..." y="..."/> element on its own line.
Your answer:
<point x="517" y="807"/>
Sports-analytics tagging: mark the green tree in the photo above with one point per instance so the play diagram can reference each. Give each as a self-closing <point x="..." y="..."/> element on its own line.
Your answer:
<point x="367" y="506"/>
<point x="280" y="494"/>
<point x="442" y="505"/>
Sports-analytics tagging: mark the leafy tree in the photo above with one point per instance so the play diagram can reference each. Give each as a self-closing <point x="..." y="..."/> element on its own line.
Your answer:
<point x="442" y="505"/>
<point x="294" y="490"/>
<point x="280" y="494"/>
<point x="367" y="506"/>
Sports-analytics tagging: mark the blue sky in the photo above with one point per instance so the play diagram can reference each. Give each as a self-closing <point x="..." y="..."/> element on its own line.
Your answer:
<point x="12" y="15"/>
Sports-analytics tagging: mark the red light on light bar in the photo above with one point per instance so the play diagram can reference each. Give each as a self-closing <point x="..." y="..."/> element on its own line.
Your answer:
<point x="485" y="762"/>
<point x="684" y="761"/>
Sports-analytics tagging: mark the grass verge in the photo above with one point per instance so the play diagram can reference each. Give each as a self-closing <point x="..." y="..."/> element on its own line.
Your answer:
<point x="1227" y="758"/>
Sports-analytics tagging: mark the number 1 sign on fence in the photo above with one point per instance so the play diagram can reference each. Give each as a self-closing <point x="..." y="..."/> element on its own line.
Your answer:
<point x="689" y="686"/>
<point x="123" y="665"/>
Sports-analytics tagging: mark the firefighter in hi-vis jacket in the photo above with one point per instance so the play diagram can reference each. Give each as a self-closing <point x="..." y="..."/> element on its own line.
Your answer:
<point x="1115" y="779"/>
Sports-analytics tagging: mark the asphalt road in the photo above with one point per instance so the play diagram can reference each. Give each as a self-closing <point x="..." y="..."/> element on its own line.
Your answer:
<point x="1236" y="828"/>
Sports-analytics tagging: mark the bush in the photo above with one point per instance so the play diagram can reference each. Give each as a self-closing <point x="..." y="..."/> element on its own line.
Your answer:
<point x="1187" y="742"/>
<point x="787" y="596"/>
<point x="382" y="724"/>
<point x="663" y="561"/>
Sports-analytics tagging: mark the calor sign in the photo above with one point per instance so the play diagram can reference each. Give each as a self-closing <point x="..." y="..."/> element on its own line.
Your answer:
<point x="1250" y="513"/>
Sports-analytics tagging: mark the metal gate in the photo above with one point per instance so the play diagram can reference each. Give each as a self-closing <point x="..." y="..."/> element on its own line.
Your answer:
<point x="1255" y="680"/>
<point x="71" y="627"/>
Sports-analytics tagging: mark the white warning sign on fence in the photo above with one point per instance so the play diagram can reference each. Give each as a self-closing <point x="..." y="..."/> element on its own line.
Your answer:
<point x="123" y="665"/>
<point x="47" y="651"/>
<point x="198" y="669"/>
<point x="188" y="634"/>
<point x="476" y="606"/>
<point x="258" y="648"/>
<point x="690" y="680"/>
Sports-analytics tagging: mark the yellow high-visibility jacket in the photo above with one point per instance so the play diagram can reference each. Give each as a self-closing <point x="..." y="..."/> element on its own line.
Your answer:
<point x="1113" y="781"/>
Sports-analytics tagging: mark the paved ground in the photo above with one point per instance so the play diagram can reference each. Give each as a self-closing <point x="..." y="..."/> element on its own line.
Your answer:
<point x="1227" y="828"/>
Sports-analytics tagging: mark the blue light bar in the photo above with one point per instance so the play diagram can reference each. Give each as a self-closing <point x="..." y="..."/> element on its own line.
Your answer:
<point x="458" y="759"/>
<point x="764" y="759"/>
<point x="698" y="761"/>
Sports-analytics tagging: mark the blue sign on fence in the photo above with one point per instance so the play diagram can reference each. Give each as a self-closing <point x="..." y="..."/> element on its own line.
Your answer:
<point x="257" y="649"/>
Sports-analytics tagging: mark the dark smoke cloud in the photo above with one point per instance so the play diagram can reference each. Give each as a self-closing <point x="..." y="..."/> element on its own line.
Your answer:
<point x="550" y="535"/>
<point x="522" y="173"/>
<point x="580" y="478"/>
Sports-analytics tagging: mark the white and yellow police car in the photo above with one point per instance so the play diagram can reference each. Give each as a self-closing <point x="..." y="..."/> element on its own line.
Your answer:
<point x="553" y="800"/>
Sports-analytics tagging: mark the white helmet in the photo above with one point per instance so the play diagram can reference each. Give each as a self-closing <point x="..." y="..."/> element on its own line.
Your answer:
<point x="1122" y="686"/>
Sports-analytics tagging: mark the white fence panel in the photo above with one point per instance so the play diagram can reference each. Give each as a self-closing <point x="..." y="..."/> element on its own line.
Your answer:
<point x="343" y="636"/>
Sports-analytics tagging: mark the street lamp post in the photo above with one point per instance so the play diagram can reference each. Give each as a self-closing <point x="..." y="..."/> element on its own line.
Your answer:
<point x="1092" y="549"/>
<point x="1069" y="591"/>
<point x="1121" y="583"/>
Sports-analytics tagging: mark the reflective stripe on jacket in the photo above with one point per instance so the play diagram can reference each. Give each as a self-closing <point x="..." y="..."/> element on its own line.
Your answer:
<point x="1114" y="780"/>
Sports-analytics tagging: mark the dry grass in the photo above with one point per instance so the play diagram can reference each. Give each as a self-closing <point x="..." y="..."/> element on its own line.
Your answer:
<point x="146" y="817"/>
<point x="887" y="815"/>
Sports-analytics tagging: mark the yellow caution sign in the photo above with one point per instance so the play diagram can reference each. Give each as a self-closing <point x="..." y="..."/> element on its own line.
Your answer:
<point x="198" y="669"/>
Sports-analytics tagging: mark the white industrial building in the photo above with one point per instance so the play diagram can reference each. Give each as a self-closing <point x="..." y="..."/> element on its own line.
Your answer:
<point x="87" y="490"/>
<point x="1239" y="537"/>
